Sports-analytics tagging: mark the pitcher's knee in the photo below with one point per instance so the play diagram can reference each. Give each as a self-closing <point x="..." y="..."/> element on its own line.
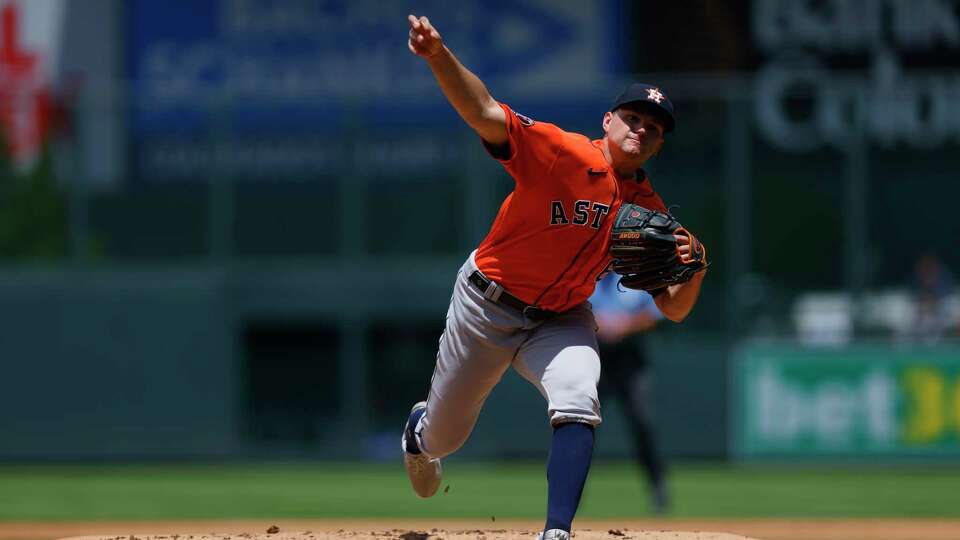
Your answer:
<point x="583" y="416"/>
<point x="582" y="406"/>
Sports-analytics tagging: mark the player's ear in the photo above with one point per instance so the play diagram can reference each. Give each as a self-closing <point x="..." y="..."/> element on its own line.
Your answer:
<point x="607" y="117"/>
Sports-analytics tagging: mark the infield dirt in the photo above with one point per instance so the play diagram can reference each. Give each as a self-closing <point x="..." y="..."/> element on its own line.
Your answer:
<point x="384" y="529"/>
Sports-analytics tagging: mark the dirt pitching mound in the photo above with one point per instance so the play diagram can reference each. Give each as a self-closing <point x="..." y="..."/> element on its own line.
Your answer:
<point x="491" y="529"/>
<point x="433" y="534"/>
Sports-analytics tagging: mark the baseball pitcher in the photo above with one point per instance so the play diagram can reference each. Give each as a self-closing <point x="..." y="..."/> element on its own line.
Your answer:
<point x="520" y="299"/>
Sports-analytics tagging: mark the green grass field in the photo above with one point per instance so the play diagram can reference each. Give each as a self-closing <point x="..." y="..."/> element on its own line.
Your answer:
<point x="324" y="490"/>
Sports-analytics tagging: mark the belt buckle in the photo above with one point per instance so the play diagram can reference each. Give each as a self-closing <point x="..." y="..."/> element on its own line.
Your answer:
<point x="534" y="313"/>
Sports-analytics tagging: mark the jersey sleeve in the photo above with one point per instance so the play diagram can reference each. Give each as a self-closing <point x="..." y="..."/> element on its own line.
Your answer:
<point x="533" y="147"/>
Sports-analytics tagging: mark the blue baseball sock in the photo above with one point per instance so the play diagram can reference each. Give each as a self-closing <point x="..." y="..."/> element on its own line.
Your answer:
<point x="567" y="467"/>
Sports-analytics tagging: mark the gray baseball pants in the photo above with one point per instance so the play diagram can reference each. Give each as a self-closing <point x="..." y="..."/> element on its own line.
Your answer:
<point x="482" y="339"/>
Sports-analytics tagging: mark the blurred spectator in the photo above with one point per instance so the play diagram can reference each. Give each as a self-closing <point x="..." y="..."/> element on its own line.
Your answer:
<point x="932" y="287"/>
<point x="622" y="316"/>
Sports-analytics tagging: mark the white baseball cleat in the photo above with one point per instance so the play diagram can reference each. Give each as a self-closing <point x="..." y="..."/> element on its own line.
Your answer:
<point x="423" y="471"/>
<point x="554" y="534"/>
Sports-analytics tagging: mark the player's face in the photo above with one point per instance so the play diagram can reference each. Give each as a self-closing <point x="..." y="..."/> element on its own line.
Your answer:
<point x="634" y="133"/>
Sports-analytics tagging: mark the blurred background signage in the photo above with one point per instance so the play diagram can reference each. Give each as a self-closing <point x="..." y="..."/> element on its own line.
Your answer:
<point x="826" y="62"/>
<point x="29" y="50"/>
<point x="851" y="401"/>
<point x="267" y="69"/>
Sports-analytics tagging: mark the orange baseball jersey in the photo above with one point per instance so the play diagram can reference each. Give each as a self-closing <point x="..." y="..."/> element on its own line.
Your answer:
<point x="550" y="239"/>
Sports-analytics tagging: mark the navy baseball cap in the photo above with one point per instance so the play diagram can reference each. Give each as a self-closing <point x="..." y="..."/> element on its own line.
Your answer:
<point x="650" y="96"/>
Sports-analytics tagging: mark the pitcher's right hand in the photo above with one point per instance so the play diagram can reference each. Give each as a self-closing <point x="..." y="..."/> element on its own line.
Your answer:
<point x="423" y="40"/>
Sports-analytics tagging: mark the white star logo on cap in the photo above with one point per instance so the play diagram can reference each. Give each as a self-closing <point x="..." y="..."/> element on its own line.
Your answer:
<point x="653" y="94"/>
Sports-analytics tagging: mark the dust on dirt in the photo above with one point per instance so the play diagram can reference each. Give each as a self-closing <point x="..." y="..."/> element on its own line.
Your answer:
<point x="399" y="529"/>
